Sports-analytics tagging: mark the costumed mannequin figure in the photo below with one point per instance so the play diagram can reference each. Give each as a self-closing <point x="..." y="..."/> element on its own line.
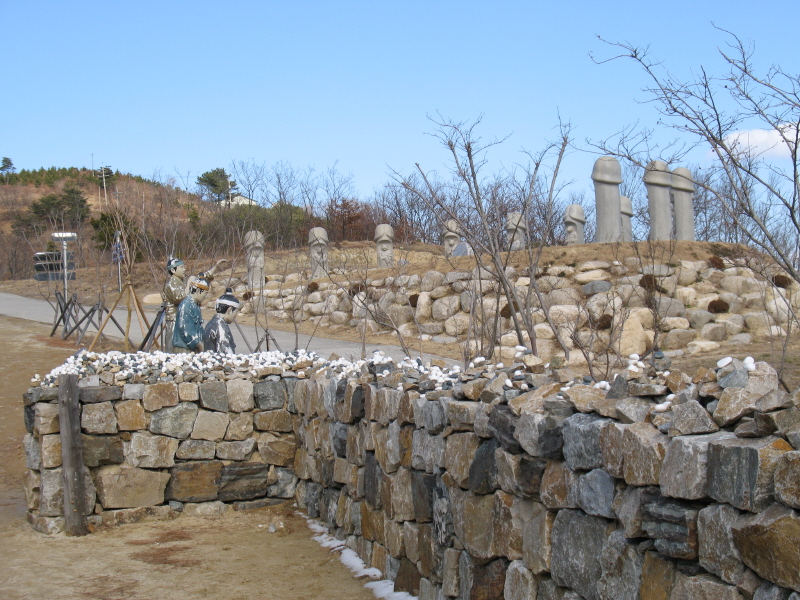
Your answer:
<point x="188" y="335"/>
<point x="175" y="290"/>
<point x="218" y="336"/>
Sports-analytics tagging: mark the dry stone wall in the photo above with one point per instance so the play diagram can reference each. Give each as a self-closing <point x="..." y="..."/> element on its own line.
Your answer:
<point x="493" y="482"/>
<point x="694" y="305"/>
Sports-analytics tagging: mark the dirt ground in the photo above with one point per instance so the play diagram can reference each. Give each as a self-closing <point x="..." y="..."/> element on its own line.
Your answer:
<point x="233" y="557"/>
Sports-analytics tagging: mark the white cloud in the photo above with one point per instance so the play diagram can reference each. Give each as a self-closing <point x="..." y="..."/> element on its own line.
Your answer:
<point x="763" y="143"/>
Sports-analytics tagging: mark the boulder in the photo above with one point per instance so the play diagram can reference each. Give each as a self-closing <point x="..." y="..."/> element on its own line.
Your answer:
<point x="196" y="481"/>
<point x="684" y="472"/>
<point x="621" y="569"/>
<point x="787" y="479"/>
<point x="240" y="395"/>
<point x="581" y="434"/>
<point x="644" y="448"/>
<point x="150" y="451"/>
<point x="210" y="425"/>
<point x="121" y="486"/>
<point x="717" y="550"/>
<point x="98" y="418"/>
<point x="740" y="471"/>
<point x="174" y="421"/>
<point x="214" y="396"/>
<point x="159" y="395"/>
<point x="577" y="544"/>
<point x="130" y="415"/>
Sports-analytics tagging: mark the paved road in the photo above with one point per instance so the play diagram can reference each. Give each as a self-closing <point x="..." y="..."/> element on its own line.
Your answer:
<point x="32" y="309"/>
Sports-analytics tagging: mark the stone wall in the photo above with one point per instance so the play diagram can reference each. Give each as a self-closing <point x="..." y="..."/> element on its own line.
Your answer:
<point x="448" y="307"/>
<point x="489" y="483"/>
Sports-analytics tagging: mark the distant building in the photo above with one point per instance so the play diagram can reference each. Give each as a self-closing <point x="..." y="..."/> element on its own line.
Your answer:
<point x="239" y="200"/>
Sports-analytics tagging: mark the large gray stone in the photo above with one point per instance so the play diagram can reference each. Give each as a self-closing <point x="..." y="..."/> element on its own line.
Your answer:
<point x="101" y="450"/>
<point x="121" y="486"/>
<point x="596" y="493"/>
<point x="684" y="472"/>
<point x="673" y="526"/>
<point x="768" y="544"/>
<point x="240" y="395"/>
<point x="51" y="493"/>
<point x="536" y="544"/>
<point x="196" y="481"/>
<point x="581" y="434"/>
<point x="740" y="471"/>
<point x="520" y="584"/>
<point x="702" y="586"/>
<point x="717" y="550"/>
<point x="45" y="418"/>
<point x="577" y="545"/>
<point x="270" y="395"/>
<point x="243" y="481"/>
<point x="691" y="418"/>
<point x="98" y="418"/>
<point x="285" y="485"/>
<point x="196" y="450"/>
<point x="540" y="434"/>
<point x="240" y="450"/>
<point x="160" y="395"/>
<point x="214" y="396"/>
<point x="174" y="421"/>
<point x="240" y="427"/>
<point x="644" y="447"/>
<point x="33" y="452"/>
<point x="621" y="568"/>
<point x="150" y="451"/>
<point x="209" y="425"/>
<point x="787" y="479"/>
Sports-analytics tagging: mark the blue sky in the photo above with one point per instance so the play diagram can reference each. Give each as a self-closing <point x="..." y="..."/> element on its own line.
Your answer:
<point x="189" y="86"/>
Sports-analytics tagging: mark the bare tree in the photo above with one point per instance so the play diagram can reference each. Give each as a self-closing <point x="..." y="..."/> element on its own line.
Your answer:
<point x="731" y="115"/>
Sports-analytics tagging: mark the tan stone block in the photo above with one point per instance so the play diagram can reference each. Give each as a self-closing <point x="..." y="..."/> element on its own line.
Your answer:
<point x="98" y="418"/>
<point x="559" y="486"/>
<point x="45" y="418"/>
<point x="240" y="395"/>
<point x="644" y="448"/>
<point x="240" y="427"/>
<point x="787" y="479"/>
<point x="51" y="451"/>
<point x="150" y="451"/>
<point x="159" y="395"/>
<point x="274" y="420"/>
<point x="658" y="577"/>
<point x="188" y="392"/>
<point x="459" y="453"/>
<point x="277" y="448"/>
<point x="210" y="425"/>
<point x="120" y="486"/>
<point x="130" y="415"/>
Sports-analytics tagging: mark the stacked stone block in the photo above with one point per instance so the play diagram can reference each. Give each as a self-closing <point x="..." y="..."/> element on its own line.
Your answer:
<point x="489" y="483"/>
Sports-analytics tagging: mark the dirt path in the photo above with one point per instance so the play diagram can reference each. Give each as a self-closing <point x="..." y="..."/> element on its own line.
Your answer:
<point x="234" y="557"/>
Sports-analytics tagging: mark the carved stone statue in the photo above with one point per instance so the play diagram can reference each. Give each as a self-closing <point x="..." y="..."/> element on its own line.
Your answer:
<point x="318" y="252"/>
<point x="451" y="237"/>
<point x="607" y="175"/>
<point x="683" y="203"/>
<point x="384" y="245"/>
<point x="574" y="219"/>
<point x="626" y="213"/>
<point x="254" y="251"/>
<point x="516" y="231"/>
<point x="658" y="180"/>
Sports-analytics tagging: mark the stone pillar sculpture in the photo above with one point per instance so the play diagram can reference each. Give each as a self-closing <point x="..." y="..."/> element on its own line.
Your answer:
<point x="607" y="175"/>
<point x="574" y="219"/>
<point x="384" y="246"/>
<point x="318" y="252"/>
<point x="683" y="203"/>
<point x="626" y="213"/>
<point x="451" y="237"/>
<point x="658" y="179"/>
<point x="254" y="259"/>
<point x="516" y="231"/>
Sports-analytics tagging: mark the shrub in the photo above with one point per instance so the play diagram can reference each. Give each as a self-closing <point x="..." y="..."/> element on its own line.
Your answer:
<point x="718" y="306"/>
<point x="312" y="287"/>
<point x="716" y="262"/>
<point x="604" y="322"/>
<point x="412" y="300"/>
<point x="505" y="312"/>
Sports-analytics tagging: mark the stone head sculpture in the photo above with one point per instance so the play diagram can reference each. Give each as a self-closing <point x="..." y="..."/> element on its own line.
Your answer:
<point x="254" y="257"/>
<point x="607" y="175"/>
<point x="451" y="236"/>
<point x="516" y="231"/>
<point x="658" y="179"/>
<point x="682" y="185"/>
<point x="626" y="213"/>
<point x="574" y="219"/>
<point x="318" y="251"/>
<point x="384" y="246"/>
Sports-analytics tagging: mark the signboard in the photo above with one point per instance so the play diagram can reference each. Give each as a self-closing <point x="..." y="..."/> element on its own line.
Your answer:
<point x="48" y="266"/>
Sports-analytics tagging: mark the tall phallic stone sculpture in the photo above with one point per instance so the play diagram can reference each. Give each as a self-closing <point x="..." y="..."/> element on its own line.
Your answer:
<point x="574" y="219"/>
<point x="683" y="203"/>
<point x="658" y="180"/>
<point x="516" y="231"/>
<point x="626" y="213"/>
<point x="384" y="246"/>
<point x="607" y="175"/>
<point x="318" y="251"/>
<point x="451" y="236"/>
<point x="254" y="259"/>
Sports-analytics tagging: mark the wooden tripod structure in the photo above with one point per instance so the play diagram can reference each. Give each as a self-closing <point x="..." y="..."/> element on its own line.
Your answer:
<point x="132" y="303"/>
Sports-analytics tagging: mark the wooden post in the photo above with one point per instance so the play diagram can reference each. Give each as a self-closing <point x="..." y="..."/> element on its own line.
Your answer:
<point x="69" y="417"/>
